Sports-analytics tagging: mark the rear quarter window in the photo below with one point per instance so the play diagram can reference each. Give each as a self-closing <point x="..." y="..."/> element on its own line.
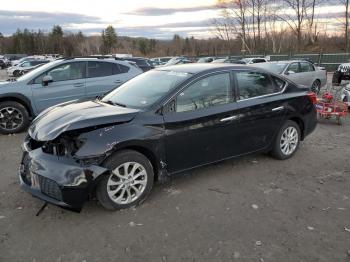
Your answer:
<point x="279" y="83"/>
<point x="123" y="69"/>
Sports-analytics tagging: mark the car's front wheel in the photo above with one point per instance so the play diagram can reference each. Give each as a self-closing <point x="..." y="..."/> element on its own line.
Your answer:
<point x="14" y="117"/>
<point x="287" y="141"/>
<point x="16" y="73"/>
<point x="129" y="183"/>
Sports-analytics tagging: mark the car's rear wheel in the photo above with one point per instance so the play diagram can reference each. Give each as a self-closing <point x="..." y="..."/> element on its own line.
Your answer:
<point x="14" y="117"/>
<point x="287" y="141"/>
<point x="129" y="183"/>
<point x="316" y="87"/>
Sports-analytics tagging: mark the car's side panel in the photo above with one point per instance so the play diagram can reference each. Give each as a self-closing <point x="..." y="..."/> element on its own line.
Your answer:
<point x="301" y="108"/>
<point x="198" y="137"/>
<point x="145" y="132"/>
<point x="260" y="119"/>
<point x="98" y="86"/>
<point x="57" y="92"/>
<point x="23" y="99"/>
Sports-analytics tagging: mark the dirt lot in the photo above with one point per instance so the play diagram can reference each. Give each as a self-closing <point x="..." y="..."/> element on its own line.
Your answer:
<point x="247" y="209"/>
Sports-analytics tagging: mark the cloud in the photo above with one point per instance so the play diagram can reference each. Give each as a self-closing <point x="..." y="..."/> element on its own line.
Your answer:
<point x="157" y="26"/>
<point x="11" y="20"/>
<point x="154" y="11"/>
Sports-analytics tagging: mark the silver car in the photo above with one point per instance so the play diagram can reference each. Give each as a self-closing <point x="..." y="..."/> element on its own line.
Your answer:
<point x="299" y="71"/>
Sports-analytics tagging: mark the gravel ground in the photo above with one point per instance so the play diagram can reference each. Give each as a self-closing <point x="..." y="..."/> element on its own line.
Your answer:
<point x="252" y="208"/>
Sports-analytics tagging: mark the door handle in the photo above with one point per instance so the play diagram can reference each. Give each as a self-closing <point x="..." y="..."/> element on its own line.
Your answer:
<point x="118" y="81"/>
<point x="280" y="108"/>
<point x="78" y="84"/>
<point x="231" y="118"/>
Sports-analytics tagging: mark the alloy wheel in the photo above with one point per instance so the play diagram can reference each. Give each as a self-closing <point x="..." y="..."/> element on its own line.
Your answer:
<point x="316" y="87"/>
<point x="127" y="183"/>
<point x="10" y="118"/>
<point x="289" y="140"/>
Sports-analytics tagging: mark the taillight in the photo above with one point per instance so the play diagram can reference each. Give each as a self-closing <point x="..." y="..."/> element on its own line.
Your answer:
<point x="313" y="97"/>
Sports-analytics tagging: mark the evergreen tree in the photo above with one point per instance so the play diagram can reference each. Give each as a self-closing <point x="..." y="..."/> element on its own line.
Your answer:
<point x="143" y="46"/>
<point x="109" y="39"/>
<point x="56" y="40"/>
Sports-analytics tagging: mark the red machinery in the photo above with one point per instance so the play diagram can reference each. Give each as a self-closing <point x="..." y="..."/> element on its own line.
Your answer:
<point x="328" y="107"/>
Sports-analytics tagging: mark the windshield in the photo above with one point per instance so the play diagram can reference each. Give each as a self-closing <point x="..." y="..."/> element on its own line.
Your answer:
<point x="219" y="60"/>
<point x="276" y="68"/>
<point x="203" y="60"/>
<point x="34" y="72"/>
<point x="145" y="89"/>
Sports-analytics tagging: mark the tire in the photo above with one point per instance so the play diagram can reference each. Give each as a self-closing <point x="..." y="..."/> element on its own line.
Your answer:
<point x="277" y="150"/>
<point x="316" y="87"/>
<point x="111" y="190"/>
<point x="16" y="113"/>
<point x="336" y="79"/>
<point x="339" y="120"/>
<point x="16" y="73"/>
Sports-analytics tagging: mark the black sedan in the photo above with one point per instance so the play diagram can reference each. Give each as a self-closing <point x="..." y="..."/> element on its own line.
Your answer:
<point x="160" y="123"/>
<point x="143" y="63"/>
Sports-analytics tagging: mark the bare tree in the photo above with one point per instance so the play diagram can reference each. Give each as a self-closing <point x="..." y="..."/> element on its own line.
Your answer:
<point x="235" y="15"/>
<point x="346" y="3"/>
<point x="274" y="30"/>
<point x="295" y="14"/>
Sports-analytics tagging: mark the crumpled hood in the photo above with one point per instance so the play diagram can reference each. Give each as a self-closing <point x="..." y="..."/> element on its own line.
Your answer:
<point x="51" y="123"/>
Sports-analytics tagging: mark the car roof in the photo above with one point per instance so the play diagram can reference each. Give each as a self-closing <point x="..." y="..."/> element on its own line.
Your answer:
<point x="135" y="58"/>
<point x="199" y="68"/>
<point x="289" y="61"/>
<point x="94" y="59"/>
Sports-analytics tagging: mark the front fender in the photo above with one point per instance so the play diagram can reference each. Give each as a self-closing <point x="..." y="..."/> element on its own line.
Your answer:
<point x="101" y="143"/>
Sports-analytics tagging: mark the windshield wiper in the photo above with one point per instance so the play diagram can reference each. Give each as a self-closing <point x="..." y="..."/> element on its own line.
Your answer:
<point x="113" y="103"/>
<point x="119" y="104"/>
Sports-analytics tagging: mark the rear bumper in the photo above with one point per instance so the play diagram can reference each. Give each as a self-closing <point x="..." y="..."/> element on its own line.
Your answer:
<point x="58" y="180"/>
<point x="310" y="122"/>
<point x="323" y="81"/>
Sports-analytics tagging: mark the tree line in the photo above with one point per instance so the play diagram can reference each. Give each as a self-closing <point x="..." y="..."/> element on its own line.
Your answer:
<point x="244" y="27"/>
<point x="276" y="26"/>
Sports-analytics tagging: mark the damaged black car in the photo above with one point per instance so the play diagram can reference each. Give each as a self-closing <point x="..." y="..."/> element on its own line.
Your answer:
<point x="163" y="122"/>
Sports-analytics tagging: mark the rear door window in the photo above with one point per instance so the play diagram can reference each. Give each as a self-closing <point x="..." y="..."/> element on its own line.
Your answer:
<point x="294" y="67"/>
<point x="255" y="61"/>
<point x="254" y="84"/>
<point x="99" y="69"/>
<point x="306" y="67"/>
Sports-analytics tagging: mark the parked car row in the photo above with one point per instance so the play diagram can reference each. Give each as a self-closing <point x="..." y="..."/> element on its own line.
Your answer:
<point x="24" y="67"/>
<point x="301" y="71"/>
<point x="4" y="62"/>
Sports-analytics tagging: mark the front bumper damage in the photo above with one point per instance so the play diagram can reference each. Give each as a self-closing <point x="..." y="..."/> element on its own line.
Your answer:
<point x="59" y="180"/>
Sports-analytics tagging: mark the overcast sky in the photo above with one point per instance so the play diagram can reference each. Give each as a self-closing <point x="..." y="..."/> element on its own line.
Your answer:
<point x="151" y="18"/>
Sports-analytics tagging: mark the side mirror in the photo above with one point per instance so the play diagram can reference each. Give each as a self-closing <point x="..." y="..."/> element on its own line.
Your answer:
<point x="290" y="72"/>
<point x="46" y="80"/>
<point x="169" y="108"/>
